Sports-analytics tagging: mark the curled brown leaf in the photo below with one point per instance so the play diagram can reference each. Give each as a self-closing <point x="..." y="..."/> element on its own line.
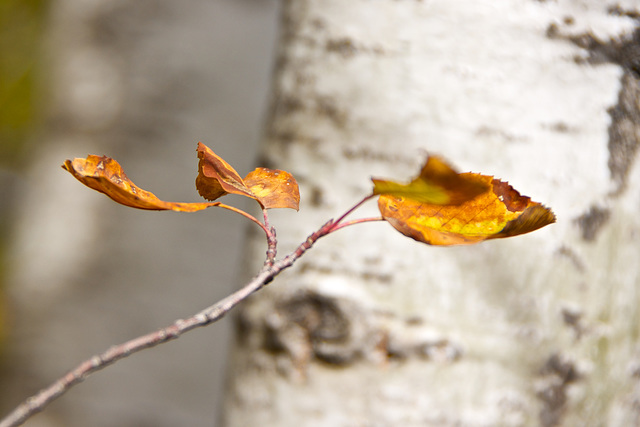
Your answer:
<point x="271" y="188"/>
<point x="105" y="175"/>
<point x="216" y="177"/>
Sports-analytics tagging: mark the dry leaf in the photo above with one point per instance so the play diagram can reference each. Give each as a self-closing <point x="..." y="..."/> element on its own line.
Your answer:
<point x="271" y="188"/>
<point x="438" y="184"/>
<point x="216" y="177"/>
<point x="500" y="212"/>
<point x="274" y="188"/>
<point x="106" y="176"/>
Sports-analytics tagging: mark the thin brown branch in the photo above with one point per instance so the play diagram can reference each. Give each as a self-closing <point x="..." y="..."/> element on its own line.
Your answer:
<point x="356" y="221"/>
<point x="271" y="239"/>
<point x="271" y="268"/>
<point x="337" y="222"/>
<point x="209" y="315"/>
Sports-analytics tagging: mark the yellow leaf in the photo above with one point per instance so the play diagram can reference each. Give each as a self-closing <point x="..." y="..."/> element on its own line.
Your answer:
<point x="498" y="213"/>
<point x="438" y="184"/>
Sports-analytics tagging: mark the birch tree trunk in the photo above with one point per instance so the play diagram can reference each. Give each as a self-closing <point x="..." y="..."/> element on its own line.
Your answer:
<point x="373" y="329"/>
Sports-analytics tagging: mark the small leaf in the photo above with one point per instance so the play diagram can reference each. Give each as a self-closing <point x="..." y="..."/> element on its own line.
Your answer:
<point x="216" y="177"/>
<point x="274" y="188"/>
<point x="105" y="175"/>
<point x="271" y="188"/>
<point x="498" y="213"/>
<point x="438" y="184"/>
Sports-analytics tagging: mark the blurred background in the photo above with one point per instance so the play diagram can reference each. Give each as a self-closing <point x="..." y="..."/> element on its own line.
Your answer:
<point x="140" y="81"/>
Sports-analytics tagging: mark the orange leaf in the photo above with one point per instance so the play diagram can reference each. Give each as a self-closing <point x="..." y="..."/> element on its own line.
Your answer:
<point x="438" y="184"/>
<point x="500" y="212"/>
<point x="216" y="177"/>
<point x="274" y="188"/>
<point x="106" y="176"/>
<point x="271" y="188"/>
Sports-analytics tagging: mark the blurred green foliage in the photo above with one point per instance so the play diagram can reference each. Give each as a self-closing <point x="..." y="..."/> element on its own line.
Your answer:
<point x="21" y="34"/>
<point x="22" y="24"/>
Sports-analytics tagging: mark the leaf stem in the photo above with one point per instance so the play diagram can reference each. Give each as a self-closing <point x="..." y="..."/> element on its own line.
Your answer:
<point x="246" y="215"/>
<point x="353" y="208"/>
<point x="356" y="221"/>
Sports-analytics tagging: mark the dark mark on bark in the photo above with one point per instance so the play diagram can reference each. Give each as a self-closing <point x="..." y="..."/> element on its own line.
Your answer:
<point x="441" y="350"/>
<point x="307" y="327"/>
<point x="348" y="48"/>
<point x="624" y="130"/>
<point x="343" y="46"/>
<point x="592" y="222"/>
<point x="574" y="319"/>
<point x="618" y="10"/>
<point x="327" y="106"/>
<point x="310" y="325"/>
<point x="557" y="374"/>
<point x="572" y="256"/>
<point x="317" y="197"/>
<point x="289" y="105"/>
<point x="560" y="127"/>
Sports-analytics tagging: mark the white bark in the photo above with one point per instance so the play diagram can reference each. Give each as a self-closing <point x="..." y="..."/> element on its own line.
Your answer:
<point x="373" y="329"/>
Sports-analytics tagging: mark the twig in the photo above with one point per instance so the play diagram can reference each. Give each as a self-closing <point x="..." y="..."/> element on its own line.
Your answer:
<point x="344" y="215"/>
<point x="209" y="315"/>
<point x="271" y="239"/>
<point x="356" y="221"/>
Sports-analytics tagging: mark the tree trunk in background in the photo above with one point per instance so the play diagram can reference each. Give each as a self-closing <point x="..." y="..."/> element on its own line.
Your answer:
<point x="373" y="329"/>
<point x="143" y="82"/>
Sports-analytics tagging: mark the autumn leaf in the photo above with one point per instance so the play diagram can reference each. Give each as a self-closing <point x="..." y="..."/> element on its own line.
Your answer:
<point x="106" y="176"/>
<point x="216" y="177"/>
<point x="438" y="184"/>
<point x="271" y="188"/>
<point x="497" y="213"/>
<point x="274" y="188"/>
